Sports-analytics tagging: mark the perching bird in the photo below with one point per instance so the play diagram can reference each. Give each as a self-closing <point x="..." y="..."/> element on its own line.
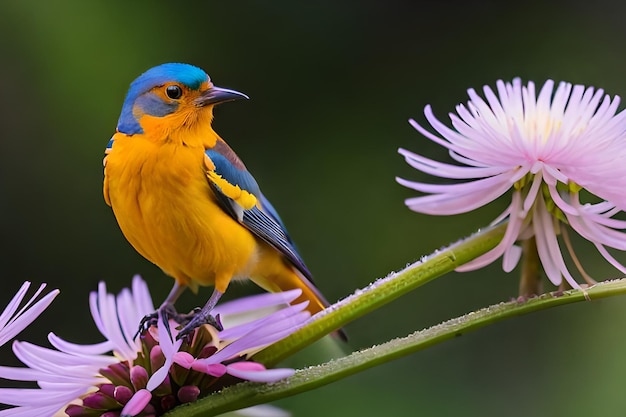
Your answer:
<point x="186" y="202"/>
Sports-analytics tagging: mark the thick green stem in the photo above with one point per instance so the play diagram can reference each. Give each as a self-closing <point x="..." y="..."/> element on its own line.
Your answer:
<point x="530" y="282"/>
<point x="382" y="292"/>
<point x="249" y="394"/>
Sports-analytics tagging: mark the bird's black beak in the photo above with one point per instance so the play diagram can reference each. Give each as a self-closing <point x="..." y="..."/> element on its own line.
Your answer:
<point x="216" y="95"/>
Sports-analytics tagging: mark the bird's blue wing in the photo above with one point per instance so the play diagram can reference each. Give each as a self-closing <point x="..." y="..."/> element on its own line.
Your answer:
<point x="262" y="219"/>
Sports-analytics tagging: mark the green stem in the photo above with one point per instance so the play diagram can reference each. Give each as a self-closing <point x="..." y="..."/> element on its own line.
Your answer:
<point x="382" y="292"/>
<point x="530" y="282"/>
<point x="248" y="394"/>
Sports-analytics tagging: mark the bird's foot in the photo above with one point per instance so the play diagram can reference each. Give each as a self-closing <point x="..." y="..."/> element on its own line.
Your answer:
<point x="199" y="318"/>
<point x="145" y="323"/>
<point x="168" y="311"/>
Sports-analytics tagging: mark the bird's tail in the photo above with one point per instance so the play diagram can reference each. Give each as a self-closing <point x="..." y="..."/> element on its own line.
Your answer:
<point x="290" y="278"/>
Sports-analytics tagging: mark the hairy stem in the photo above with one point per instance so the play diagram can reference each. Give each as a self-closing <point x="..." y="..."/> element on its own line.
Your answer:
<point x="248" y="394"/>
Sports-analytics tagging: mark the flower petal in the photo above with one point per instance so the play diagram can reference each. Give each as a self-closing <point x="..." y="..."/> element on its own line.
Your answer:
<point x="11" y="324"/>
<point x="137" y="403"/>
<point x="268" y="375"/>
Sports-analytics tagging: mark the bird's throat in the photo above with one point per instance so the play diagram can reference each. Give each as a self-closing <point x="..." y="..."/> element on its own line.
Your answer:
<point x="187" y="128"/>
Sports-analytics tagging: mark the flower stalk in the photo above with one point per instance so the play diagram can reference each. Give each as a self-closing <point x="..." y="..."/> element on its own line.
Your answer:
<point x="530" y="282"/>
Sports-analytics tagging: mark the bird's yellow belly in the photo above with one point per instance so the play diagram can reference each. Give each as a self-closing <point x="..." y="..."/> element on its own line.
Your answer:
<point x="166" y="210"/>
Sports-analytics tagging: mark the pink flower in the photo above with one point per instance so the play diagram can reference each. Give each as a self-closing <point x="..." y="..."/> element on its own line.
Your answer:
<point x="129" y="376"/>
<point x="561" y="153"/>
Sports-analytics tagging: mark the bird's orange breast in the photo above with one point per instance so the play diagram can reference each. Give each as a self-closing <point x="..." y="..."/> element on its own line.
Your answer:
<point x="165" y="208"/>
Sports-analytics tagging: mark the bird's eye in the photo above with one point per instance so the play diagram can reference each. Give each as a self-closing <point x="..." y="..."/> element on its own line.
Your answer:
<point x="174" y="92"/>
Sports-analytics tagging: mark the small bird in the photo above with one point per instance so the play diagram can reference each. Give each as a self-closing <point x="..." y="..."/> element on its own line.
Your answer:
<point x="186" y="202"/>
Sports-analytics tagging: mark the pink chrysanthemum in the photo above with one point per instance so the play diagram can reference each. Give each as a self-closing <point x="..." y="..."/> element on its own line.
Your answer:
<point x="549" y="149"/>
<point x="150" y="374"/>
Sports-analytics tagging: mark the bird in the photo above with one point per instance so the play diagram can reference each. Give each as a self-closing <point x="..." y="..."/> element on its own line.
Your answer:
<point x="186" y="202"/>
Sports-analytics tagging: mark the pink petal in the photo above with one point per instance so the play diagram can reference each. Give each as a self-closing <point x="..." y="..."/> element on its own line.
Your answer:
<point x="511" y="257"/>
<point x="262" y="410"/>
<point x="12" y="324"/>
<point x="444" y="170"/>
<point x="213" y="369"/>
<point x="460" y="197"/>
<point x="268" y="375"/>
<point x="508" y="240"/>
<point x="184" y="359"/>
<point x="142" y="297"/>
<point x="241" y="330"/>
<point x="256" y="302"/>
<point x="74" y="348"/>
<point x="247" y="366"/>
<point x="136" y="404"/>
<point x="138" y="377"/>
<point x="548" y="246"/>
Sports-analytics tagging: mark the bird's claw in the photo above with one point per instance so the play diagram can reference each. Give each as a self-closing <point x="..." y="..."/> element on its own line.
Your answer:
<point x="145" y="323"/>
<point x="199" y="318"/>
<point x="169" y="312"/>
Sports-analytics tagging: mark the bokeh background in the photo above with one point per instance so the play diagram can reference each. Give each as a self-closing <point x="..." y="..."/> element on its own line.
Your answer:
<point x="332" y="85"/>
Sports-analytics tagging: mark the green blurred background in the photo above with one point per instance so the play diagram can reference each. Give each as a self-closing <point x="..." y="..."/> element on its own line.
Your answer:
<point x="332" y="85"/>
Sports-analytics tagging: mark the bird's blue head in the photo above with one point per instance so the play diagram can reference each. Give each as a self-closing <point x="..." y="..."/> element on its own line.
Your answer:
<point x="164" y="89"/>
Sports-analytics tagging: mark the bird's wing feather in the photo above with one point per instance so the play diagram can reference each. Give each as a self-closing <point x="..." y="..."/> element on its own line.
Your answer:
<point x="239" y="195"/>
